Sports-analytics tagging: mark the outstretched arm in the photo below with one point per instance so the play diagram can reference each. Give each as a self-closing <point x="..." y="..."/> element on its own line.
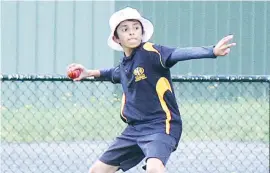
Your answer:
<point x="222" y="48"/>
<point x="111" y="74"/>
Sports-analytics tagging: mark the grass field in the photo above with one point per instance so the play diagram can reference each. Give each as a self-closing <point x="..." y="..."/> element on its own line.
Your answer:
<point x="242" y="120"/>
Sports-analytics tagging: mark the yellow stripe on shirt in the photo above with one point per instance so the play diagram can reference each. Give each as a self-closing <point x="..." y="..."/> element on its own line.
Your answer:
<point x="122" y="106"/>
<point x="162" y="86"/>
<point x="149" y="47"/>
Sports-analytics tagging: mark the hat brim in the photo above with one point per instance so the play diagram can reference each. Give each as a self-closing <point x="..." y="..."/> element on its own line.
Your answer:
<point x="148" y="32"/>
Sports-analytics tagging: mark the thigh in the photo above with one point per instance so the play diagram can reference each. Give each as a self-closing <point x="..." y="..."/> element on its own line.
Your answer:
<point x="123" y="153"/>
<point x="159" y="146"/>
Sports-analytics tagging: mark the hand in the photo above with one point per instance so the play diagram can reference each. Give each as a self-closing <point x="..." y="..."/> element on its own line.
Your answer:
<point x="84" y="72"/>
<point x="223" y="46"/>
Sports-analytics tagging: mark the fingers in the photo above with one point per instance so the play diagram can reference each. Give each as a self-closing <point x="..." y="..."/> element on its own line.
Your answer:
<point x="227" y="46"/>
<point x="71" y="66"/>
<point x="77" y="79"/>
<point x="230" y="45"/>
<point x="227" y="51"/>
<point x="227" y="39"/>
<point x="224" y="40"/>
<point x="74" y="66"/>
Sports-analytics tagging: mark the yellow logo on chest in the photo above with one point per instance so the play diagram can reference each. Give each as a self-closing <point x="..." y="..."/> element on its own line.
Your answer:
<point x="139" y="74"/>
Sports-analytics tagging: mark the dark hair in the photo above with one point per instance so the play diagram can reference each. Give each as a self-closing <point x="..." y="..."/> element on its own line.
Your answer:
<point x="115" y="31"/>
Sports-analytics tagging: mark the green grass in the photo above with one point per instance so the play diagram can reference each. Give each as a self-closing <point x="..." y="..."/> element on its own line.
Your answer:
<point x="246" y="120"/>
<point x="240" y="121"/>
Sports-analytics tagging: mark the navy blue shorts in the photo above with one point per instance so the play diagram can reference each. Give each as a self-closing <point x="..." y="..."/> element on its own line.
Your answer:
<point x="129" y="150"/>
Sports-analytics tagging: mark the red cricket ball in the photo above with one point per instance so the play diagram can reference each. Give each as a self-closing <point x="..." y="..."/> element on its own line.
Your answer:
<point x="74" y="74"/>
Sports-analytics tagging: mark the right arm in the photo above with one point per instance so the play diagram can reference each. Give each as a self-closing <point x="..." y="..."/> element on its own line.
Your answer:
<point x="112" y="74"/>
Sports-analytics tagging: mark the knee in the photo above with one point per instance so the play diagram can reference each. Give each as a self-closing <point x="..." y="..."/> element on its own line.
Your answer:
<point x="94" y="169"/>
<point x="100" y="167"/>
<point x="155" y="166"/>
<point x="154" y="170"/>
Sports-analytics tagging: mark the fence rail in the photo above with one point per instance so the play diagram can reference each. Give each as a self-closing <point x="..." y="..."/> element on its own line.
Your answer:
<point x="178" y="78"/>
<point x="51" y="124"/>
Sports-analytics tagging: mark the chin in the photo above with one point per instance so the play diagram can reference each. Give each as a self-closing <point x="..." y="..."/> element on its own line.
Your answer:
<point x="134" y="45"/>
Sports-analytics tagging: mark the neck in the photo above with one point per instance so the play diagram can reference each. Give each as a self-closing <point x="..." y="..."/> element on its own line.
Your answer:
<point x="128" y="51"/>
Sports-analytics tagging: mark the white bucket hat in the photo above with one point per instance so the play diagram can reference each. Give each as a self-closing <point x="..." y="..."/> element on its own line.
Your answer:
<point x="125" y="14"/>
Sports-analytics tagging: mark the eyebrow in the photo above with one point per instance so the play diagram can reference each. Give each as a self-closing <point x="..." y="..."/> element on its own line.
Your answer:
<point x="137" y="23"/>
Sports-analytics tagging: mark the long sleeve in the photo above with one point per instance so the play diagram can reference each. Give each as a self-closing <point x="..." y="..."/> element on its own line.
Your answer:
<point x="112" y="74"/>
<point x="182" y="54"/>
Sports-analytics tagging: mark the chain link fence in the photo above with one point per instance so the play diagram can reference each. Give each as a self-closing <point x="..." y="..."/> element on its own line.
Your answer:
<point x="50" y="124"/>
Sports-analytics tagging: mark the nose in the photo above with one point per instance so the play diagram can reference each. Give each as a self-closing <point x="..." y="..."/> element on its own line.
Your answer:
<point x="131" y="32"/>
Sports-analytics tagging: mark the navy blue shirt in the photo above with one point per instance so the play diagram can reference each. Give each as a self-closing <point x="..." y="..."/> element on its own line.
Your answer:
<point x="149" y="101"/>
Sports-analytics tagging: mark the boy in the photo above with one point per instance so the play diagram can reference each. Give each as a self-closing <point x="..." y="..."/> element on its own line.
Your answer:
<point x="148" y="104"/>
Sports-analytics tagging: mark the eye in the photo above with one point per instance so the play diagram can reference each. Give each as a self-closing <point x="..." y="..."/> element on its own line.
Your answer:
<point x="137" y="27"/>
<point x="124" y="29"/>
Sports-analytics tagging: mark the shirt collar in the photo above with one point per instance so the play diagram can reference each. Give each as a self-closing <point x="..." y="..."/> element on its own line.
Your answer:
<point x="126" y="58"/>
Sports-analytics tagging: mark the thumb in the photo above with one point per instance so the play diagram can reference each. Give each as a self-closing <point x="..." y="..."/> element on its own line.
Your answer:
<point x="78" y="78"/>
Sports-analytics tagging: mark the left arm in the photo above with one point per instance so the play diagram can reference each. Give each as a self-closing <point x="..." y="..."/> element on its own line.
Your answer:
<point x="182" y="54"/>
<point x="222" y="48"/>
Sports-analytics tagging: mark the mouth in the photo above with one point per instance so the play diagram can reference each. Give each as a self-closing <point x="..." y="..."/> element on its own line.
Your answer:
<point x="132" y="39"/>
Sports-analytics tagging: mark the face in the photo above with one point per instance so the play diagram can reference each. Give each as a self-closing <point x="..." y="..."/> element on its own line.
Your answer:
<point x="129" y="34"/>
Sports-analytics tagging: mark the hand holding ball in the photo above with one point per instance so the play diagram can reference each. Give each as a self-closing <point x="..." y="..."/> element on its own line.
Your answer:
<point x="74" y="73"/>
